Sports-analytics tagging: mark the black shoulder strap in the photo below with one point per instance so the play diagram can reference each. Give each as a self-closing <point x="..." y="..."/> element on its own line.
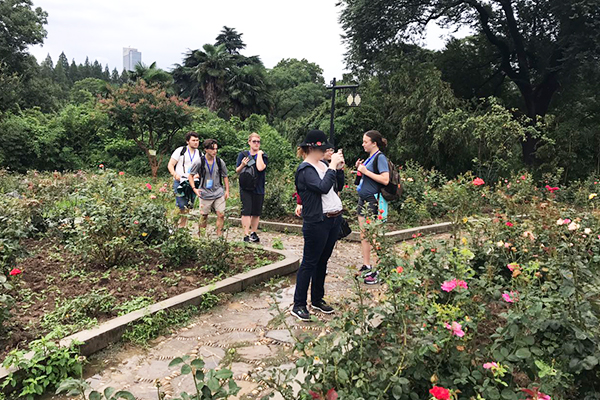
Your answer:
<point x="376" y="163"/>
<point x="219" y="170"/>
<point x="182" y="153"/>
<point x="202" y="169"/>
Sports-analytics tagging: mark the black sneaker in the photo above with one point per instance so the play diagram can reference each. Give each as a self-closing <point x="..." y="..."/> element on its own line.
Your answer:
<point x="254" y="238"/>
<point x="301" y="313"/>
<point x="247" y="239"/>
<point x="371" y="278"/>
<point x="365" y="270"/>
<point x="323" y="307"/>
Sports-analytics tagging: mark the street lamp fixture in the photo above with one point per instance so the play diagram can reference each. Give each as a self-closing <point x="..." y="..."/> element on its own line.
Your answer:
<point x="353" y="100"/>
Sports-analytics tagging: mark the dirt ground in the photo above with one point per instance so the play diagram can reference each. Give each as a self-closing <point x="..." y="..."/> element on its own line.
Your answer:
<point x="52" y="275"/>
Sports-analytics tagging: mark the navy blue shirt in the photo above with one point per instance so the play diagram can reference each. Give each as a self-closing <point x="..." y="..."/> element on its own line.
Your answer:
<point x="369" y="186"/>
<point x="261" y="175"/>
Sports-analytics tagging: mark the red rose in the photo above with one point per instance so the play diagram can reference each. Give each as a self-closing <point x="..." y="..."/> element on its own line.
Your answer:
<point x="121" y="173"/>
<point x="101" y="165"/>
<point x="318" y="143"/>
<point x="399" y="270"/>
<point x="440" y="393"/>
<point x="15" y="271"/>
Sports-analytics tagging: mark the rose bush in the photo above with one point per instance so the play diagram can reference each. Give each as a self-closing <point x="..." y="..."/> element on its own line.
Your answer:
<point x="507" y="309"/>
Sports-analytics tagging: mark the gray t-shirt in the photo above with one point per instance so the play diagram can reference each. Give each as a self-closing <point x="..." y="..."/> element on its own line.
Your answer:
<point x="211" y="171"/>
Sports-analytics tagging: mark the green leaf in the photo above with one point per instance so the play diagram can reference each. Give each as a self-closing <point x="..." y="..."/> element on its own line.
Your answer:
<point x="213" y="384"/>
<point x="185" y="369"/>
<point x="108" y="392"/>
<point x="342" y="375"/>
<point x="509" y="394"/>
<point x="223" y="374"/>
<point x="403" y="381"/>
<point x="175" y="362"/>
<point x="523" y="353"/>
<point x="124" y="395"/>
<point x="197" y="363"/>
<point x="95" y="395"/>
<point x="397" y="391"/>
<point x="589" y="362"/>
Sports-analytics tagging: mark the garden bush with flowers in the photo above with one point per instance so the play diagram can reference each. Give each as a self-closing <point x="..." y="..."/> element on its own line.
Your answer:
<point x="506" y="308"/>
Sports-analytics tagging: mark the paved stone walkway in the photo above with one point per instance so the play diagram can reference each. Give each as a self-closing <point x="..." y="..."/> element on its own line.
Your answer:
<point x="236" y="331"/>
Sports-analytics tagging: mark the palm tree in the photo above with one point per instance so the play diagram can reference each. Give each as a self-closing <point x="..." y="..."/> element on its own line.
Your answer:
<point x="248" y="91"/>
<point x="231" y="39"/>
<point x="151" y="74"/>
<point x="211" y="69"/>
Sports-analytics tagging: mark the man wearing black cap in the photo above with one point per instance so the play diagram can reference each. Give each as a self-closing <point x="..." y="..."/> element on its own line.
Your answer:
<point x="322" y="217"/>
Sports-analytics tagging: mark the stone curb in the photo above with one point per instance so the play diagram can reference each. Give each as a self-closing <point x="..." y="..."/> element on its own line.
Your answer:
<point x="397" y="236"/>
<point x="97" y="338"/>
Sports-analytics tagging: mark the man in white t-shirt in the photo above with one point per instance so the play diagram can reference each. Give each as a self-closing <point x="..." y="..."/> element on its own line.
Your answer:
<point x="180" y="165"/>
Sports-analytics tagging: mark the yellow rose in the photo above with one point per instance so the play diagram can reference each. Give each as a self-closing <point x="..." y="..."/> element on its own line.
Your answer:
<point x="592" y="195"/>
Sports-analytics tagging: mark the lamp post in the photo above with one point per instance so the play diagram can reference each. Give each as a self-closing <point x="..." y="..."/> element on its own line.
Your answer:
<point x="353" y="101"/>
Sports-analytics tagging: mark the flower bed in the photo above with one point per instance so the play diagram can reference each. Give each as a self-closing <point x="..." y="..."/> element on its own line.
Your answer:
<point x="506" y="309"/>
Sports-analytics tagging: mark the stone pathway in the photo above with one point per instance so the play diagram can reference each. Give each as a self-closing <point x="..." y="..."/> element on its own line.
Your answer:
<point x="237" y="331"/>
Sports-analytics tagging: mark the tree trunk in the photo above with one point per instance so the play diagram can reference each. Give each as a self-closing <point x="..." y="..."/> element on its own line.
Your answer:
<point x="212" y="96"/>
<point x="537" y="102"/>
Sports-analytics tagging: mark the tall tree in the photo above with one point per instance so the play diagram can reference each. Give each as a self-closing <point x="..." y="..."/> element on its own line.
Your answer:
<point x="21" y="27"/>
<point x="298" y="88"/>
<point x="149" y="117"/>
<point x="231" y="39"/>
<point x="213" y="65"/>
<point x="114" y="76"/>
<point x="538" y="43"/>
<point x="248" y="91"/>
<point x="151" y="74"/>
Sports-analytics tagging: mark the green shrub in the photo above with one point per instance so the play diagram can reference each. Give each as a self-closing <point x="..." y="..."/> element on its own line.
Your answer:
<point x="180" y="248"/>
<point x="215" y="255"/>
<point x="50" y="365"/>
<point x="78" y="313"/>
<point x="510" y="306"/>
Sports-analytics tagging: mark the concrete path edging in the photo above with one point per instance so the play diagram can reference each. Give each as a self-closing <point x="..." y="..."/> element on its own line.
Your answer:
<point x="397" y="236"/>
<point x="109" y="332"/>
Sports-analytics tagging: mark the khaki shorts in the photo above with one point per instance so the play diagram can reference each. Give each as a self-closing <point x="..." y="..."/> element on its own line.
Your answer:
<point x="215" y="204"/>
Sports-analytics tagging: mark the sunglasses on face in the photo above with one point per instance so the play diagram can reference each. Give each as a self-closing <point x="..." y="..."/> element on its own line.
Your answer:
<point x="255" y="141"/>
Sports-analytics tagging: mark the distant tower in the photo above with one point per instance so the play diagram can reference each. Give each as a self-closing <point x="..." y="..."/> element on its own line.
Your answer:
<point x="131" y="58"/>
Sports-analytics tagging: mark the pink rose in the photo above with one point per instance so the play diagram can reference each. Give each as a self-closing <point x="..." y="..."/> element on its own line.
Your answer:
<point x="456" y="329"/>
<point x="478" y="182"/>
<point x="490" y="365"/>
<point x="148" y="186"/>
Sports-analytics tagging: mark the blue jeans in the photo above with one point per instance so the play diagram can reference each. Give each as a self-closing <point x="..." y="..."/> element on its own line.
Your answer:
<point x="319" y="240"/>
<point x="180" y="201"/>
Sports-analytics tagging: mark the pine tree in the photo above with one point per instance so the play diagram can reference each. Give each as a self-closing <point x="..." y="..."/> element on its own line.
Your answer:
<point x="106" y="74"/>
<point x="114" y="76"/>
<point x="74" y="74"/>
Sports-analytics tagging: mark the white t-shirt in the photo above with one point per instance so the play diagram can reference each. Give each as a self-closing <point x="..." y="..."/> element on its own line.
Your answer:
<point x="331" y="201"/>
<point x="190" y="157"/>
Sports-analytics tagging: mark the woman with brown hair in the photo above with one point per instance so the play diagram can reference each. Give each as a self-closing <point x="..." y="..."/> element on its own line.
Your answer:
<point x="374" y="174"/>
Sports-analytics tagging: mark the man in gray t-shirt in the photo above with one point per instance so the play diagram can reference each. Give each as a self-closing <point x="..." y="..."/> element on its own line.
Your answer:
<point x="214" y="185"/>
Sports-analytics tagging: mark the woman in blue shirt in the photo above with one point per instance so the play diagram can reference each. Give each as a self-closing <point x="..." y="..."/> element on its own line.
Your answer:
<point x="370" y="185"/>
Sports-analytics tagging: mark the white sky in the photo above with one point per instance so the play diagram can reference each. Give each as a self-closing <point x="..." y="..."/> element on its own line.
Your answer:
<point x="164" y="30"/>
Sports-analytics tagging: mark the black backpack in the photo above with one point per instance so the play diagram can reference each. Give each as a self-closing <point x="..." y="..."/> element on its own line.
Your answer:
<point x="393" y="190"/>
<point x="203" y="170"/>
<point x="249" y="175"/>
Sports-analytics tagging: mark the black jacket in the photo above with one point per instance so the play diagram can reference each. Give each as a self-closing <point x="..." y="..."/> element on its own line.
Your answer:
<point x="310" y="187"/>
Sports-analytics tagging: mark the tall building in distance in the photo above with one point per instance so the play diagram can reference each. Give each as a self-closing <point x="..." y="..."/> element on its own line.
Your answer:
<point x="131" y="58"/>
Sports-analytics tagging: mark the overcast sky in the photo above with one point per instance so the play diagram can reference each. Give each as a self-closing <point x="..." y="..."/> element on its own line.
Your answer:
<point x="164" y="30"/>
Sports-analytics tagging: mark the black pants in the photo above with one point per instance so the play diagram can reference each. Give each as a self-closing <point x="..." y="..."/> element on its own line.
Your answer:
<point x="319" y="240"/>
